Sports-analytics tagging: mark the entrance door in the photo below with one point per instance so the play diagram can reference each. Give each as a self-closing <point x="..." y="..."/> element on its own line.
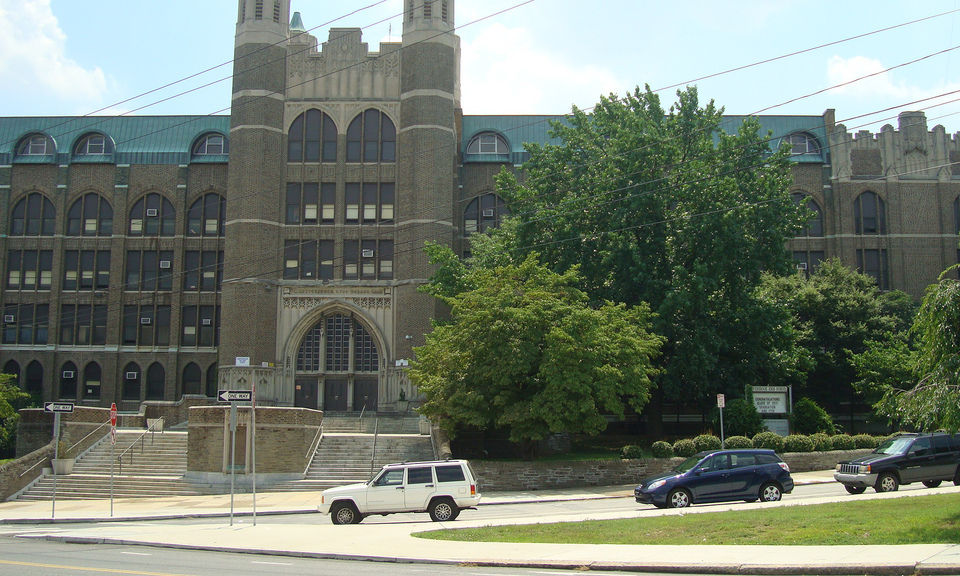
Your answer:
<point x="306" y="393"/>
<point x="335" y="395"/>
<point x="365" y="394"/>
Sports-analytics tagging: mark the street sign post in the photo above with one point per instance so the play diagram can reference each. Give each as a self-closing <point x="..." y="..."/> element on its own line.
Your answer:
<point x="57" y="408"/>
<point x="721" y="402"/>
<point x="235" y="395"/>
<point x="113" y="448"/>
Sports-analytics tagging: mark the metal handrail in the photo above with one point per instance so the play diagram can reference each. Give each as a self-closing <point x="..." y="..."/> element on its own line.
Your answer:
<point x="313" y="448"/>
<point x="139" y="439"/>
<point x="373" y="455"/>
<point x="360" y="420"/>
<point x="43" y="460"/>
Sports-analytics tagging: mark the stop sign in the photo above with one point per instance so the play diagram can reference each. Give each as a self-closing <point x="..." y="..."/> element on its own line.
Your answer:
<point x="113" y="414"/>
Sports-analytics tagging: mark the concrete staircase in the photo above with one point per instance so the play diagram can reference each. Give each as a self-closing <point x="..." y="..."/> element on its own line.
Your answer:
<point x="153" y="466"/>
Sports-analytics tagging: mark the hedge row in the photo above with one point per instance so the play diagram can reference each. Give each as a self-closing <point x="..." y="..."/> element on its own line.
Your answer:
<point x="819" y="442"/>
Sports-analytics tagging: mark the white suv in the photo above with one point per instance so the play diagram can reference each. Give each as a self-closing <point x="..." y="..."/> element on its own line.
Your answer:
<point x="441" y="488"/>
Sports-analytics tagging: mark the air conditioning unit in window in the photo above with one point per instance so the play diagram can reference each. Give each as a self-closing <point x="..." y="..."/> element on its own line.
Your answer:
<point x="367" y="253"/>
<point x="67" y="374"/>
<point x="146" y="320"/>
<point x="488" y="212"/>
<point x="152" y="212"/>
<point x="9" y="318"/>
<point x="164" y="264"/>
<point x="130" y="376"/>
<point x="206" y="322"/>
<point x="801" y="265"/>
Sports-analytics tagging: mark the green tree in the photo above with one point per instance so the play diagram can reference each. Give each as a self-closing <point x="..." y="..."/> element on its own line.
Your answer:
<point x="674" y="209"/>
<point x="525" y="352"/>
<point x="885" y="365"/>
<point x="12" y="398"/>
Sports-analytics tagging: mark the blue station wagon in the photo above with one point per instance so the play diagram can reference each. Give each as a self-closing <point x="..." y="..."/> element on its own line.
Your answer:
<point x="719" y="476"/>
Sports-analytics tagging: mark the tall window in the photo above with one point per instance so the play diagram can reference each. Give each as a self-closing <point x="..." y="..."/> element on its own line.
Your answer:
<point x="29" y="269"/>
<point x="869" y="214"/>
<point x="131" y="382"/>
<point x="83" y="324"/>
<point x="86" y="270"/>
<point x="367" y="259"/>
<point x="808" y="261"/>
<point x="91" y="381"/>
<point x="146" y="325"/>
<point x="303" y="202"/>
<point x="308" y="260"/>
<point x="485" y="211"/>
<point x="312" y="137"/>
<point x="68" y="381"/>
<point x="206" y="215"/>
<point x="33" y="378"/>
<point x="149" y="270"/>
<point x="815" y="224"/>
<point x="370" y="202"/>
<point x="200" y="326"/>
<point x="33" y="215"/>
<point x="156" y="376"/>
<point x="192" y="379"/>
<point x="956" y="216"/>
<point x="371" y="137"/>
<point x="26" y="323"/>
<point x="874" y="263"/>
<point x="90" y="215"/>
<point x="202" y="270"/>
<point x="329" y="345"/>
<point x="152" y="215"/>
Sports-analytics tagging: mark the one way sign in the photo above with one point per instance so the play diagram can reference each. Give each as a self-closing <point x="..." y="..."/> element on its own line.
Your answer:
<point x="235" y="395"/>
<point x="58" y="407"/>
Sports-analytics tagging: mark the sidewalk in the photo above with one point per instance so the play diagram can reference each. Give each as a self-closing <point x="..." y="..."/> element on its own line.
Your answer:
<point x="315" y="537"/>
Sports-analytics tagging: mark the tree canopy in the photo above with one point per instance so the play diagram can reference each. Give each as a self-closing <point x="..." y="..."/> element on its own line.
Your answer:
<point x="524" y="351"/>
<point x="12" y="398"/>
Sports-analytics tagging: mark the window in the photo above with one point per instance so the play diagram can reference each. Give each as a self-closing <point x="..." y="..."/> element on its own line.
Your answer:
<point x="36" y="145"/>
<point x="93" y="145"/>
<point x="25" y="323"/>
<point x="312" y="137"/>
<point x="131" y="382"/>
<point x="808" y="261"/>
<point x="422" y="475"/>
<point x="29" y="269"/>
<point x="206" y="216"/>
<point x="956" y="216"/>
<point x="450" y="473"/>
<point x="91" y="381"/>
<point x="156" y="377"/>
<point x="276" y="11"/>
<point x="146" y="325"/>
<point x="33" y="378"/>
<point x="484" y="211"/>
<point x="68" y="381"/>
<point x="488" y="143"/>
<point x="368" y="259"/>
<point x="802" y="143"/>
<point x="34" y="215"/>
<point x="371" y="137"/>
<point x="303" y="202"/>
<point x="873" y="263"/>
<point x="83" y="324"/>
<point x="391" y="477"/>
<point x="369" y="202"/>
<point x="300" y="260"/>
<point x="869" y="214"/>
<point x="90" y="215"/>
<point x="200" y="326"/>
<point x="191" y="379"/>
<point x="202" y="270"/>
<point x="149" y="271"/>
<point x="258" y="10"/>
<point x="211" y="144"/>
<point x="152" y="215"/>
<point x="815" y="223"/>
<point x="86" y="270"/>
<point x="212" y="382"/>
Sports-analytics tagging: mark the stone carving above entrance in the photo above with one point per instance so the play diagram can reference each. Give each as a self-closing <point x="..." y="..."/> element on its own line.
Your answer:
<point x="309" y="298"/>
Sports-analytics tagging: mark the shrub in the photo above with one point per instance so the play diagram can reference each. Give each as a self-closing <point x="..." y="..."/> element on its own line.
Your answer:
<point x="809" y="418"/>
<point x="662" y="449"/>
<point x="684" y="447"/>
<point x="821" y="442"/>
<point x="631" y="452"/>
<point x="797" y="443"/>
<point x="843" y="442"/>
<point x="865" y="441"/>
<point x="706" y="442"/>
<point x="740" y="418"/>
<point x="738" y="442"/>
<point x="769" y="440"/>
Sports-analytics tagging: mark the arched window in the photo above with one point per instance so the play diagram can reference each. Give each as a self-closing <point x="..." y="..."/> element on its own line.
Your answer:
<point x="155" y="381"/>
<point x="91" y="381"/>
<point x="211" y="144"/>
<point x="869" y="214"/>
<point x="483" y="212"/>
<point x="33" y="215"/>
<point x="36" y="145"/>
<point x="815" y="224"/>
<point x="488" y="143"/>
<point x="371" y="137"/>
<point x="68" y="380"/>
<point x="33" y="383"/>
<point x="191" y="379"/>
<point x="93" y="145"/>
<point x="802" y="143"/>
<point x="956" y="216"/>
<point x="90" y="215"/>
<point x="12" y="367"/>
<point x="312" y="136"/>
<point x="212" y="384"/>
<point x="206" y="215"/>
<point x="131" y="382"/>
<point x="152" y="215"/>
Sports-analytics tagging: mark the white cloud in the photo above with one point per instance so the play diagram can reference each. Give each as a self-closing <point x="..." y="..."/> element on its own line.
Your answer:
<point x="504" y="72"/>
<point x="35" y="59"/>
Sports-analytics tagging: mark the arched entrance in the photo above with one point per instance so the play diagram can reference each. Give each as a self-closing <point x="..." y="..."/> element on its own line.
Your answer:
<point x="338" y="364"/>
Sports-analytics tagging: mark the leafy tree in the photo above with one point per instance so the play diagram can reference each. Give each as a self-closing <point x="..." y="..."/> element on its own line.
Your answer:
<point x="740" y="418"/>
<point x="525" y="352"/>
<point x="809" y="418"/>
<point x="885" y="366"/>
<point x="671" y="209"/>
<point x="934" y="402"/>
<point x="12" y="398"/>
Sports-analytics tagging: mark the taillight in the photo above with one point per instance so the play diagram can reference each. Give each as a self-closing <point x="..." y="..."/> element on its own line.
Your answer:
<point x="785" y="466"/>
<point x="473" y="489"/>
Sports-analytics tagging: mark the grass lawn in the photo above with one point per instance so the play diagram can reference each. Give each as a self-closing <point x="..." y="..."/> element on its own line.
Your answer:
<point x="931" y="519"/>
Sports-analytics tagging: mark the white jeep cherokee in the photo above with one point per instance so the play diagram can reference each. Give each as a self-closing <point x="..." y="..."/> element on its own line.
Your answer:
<point x="442" y="488"/>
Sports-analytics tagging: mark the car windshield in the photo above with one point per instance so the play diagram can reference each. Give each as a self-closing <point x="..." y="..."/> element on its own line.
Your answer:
<point x="894" y="446"/>
<point x="687" y="464"/>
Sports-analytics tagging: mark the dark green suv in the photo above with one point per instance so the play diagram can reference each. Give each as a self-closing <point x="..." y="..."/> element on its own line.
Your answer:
<point x="903" y="459"/>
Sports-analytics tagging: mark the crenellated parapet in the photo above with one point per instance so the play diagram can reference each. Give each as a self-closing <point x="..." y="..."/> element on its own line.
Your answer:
<point x="910" y="152"/>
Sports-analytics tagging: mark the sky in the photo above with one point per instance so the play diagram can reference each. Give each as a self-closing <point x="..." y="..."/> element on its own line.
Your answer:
<point x="67" y="57"/>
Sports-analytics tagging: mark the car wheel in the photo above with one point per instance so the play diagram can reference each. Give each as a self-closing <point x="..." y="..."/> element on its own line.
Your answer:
<point x="678" y="498"/>
<point x="956" y="477"/>
<point x="856" y="489"/>
<point x="770" y="492"/>
<point x="443" y="510"/>
<point x="344" y="513"/>
<point x="887" y="482"/>
<point x="931" y="483"/>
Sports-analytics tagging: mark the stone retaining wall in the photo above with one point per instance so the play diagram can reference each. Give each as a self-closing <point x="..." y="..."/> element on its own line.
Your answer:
<point x="35" y="429"/>
<point x="17" y="474"/>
